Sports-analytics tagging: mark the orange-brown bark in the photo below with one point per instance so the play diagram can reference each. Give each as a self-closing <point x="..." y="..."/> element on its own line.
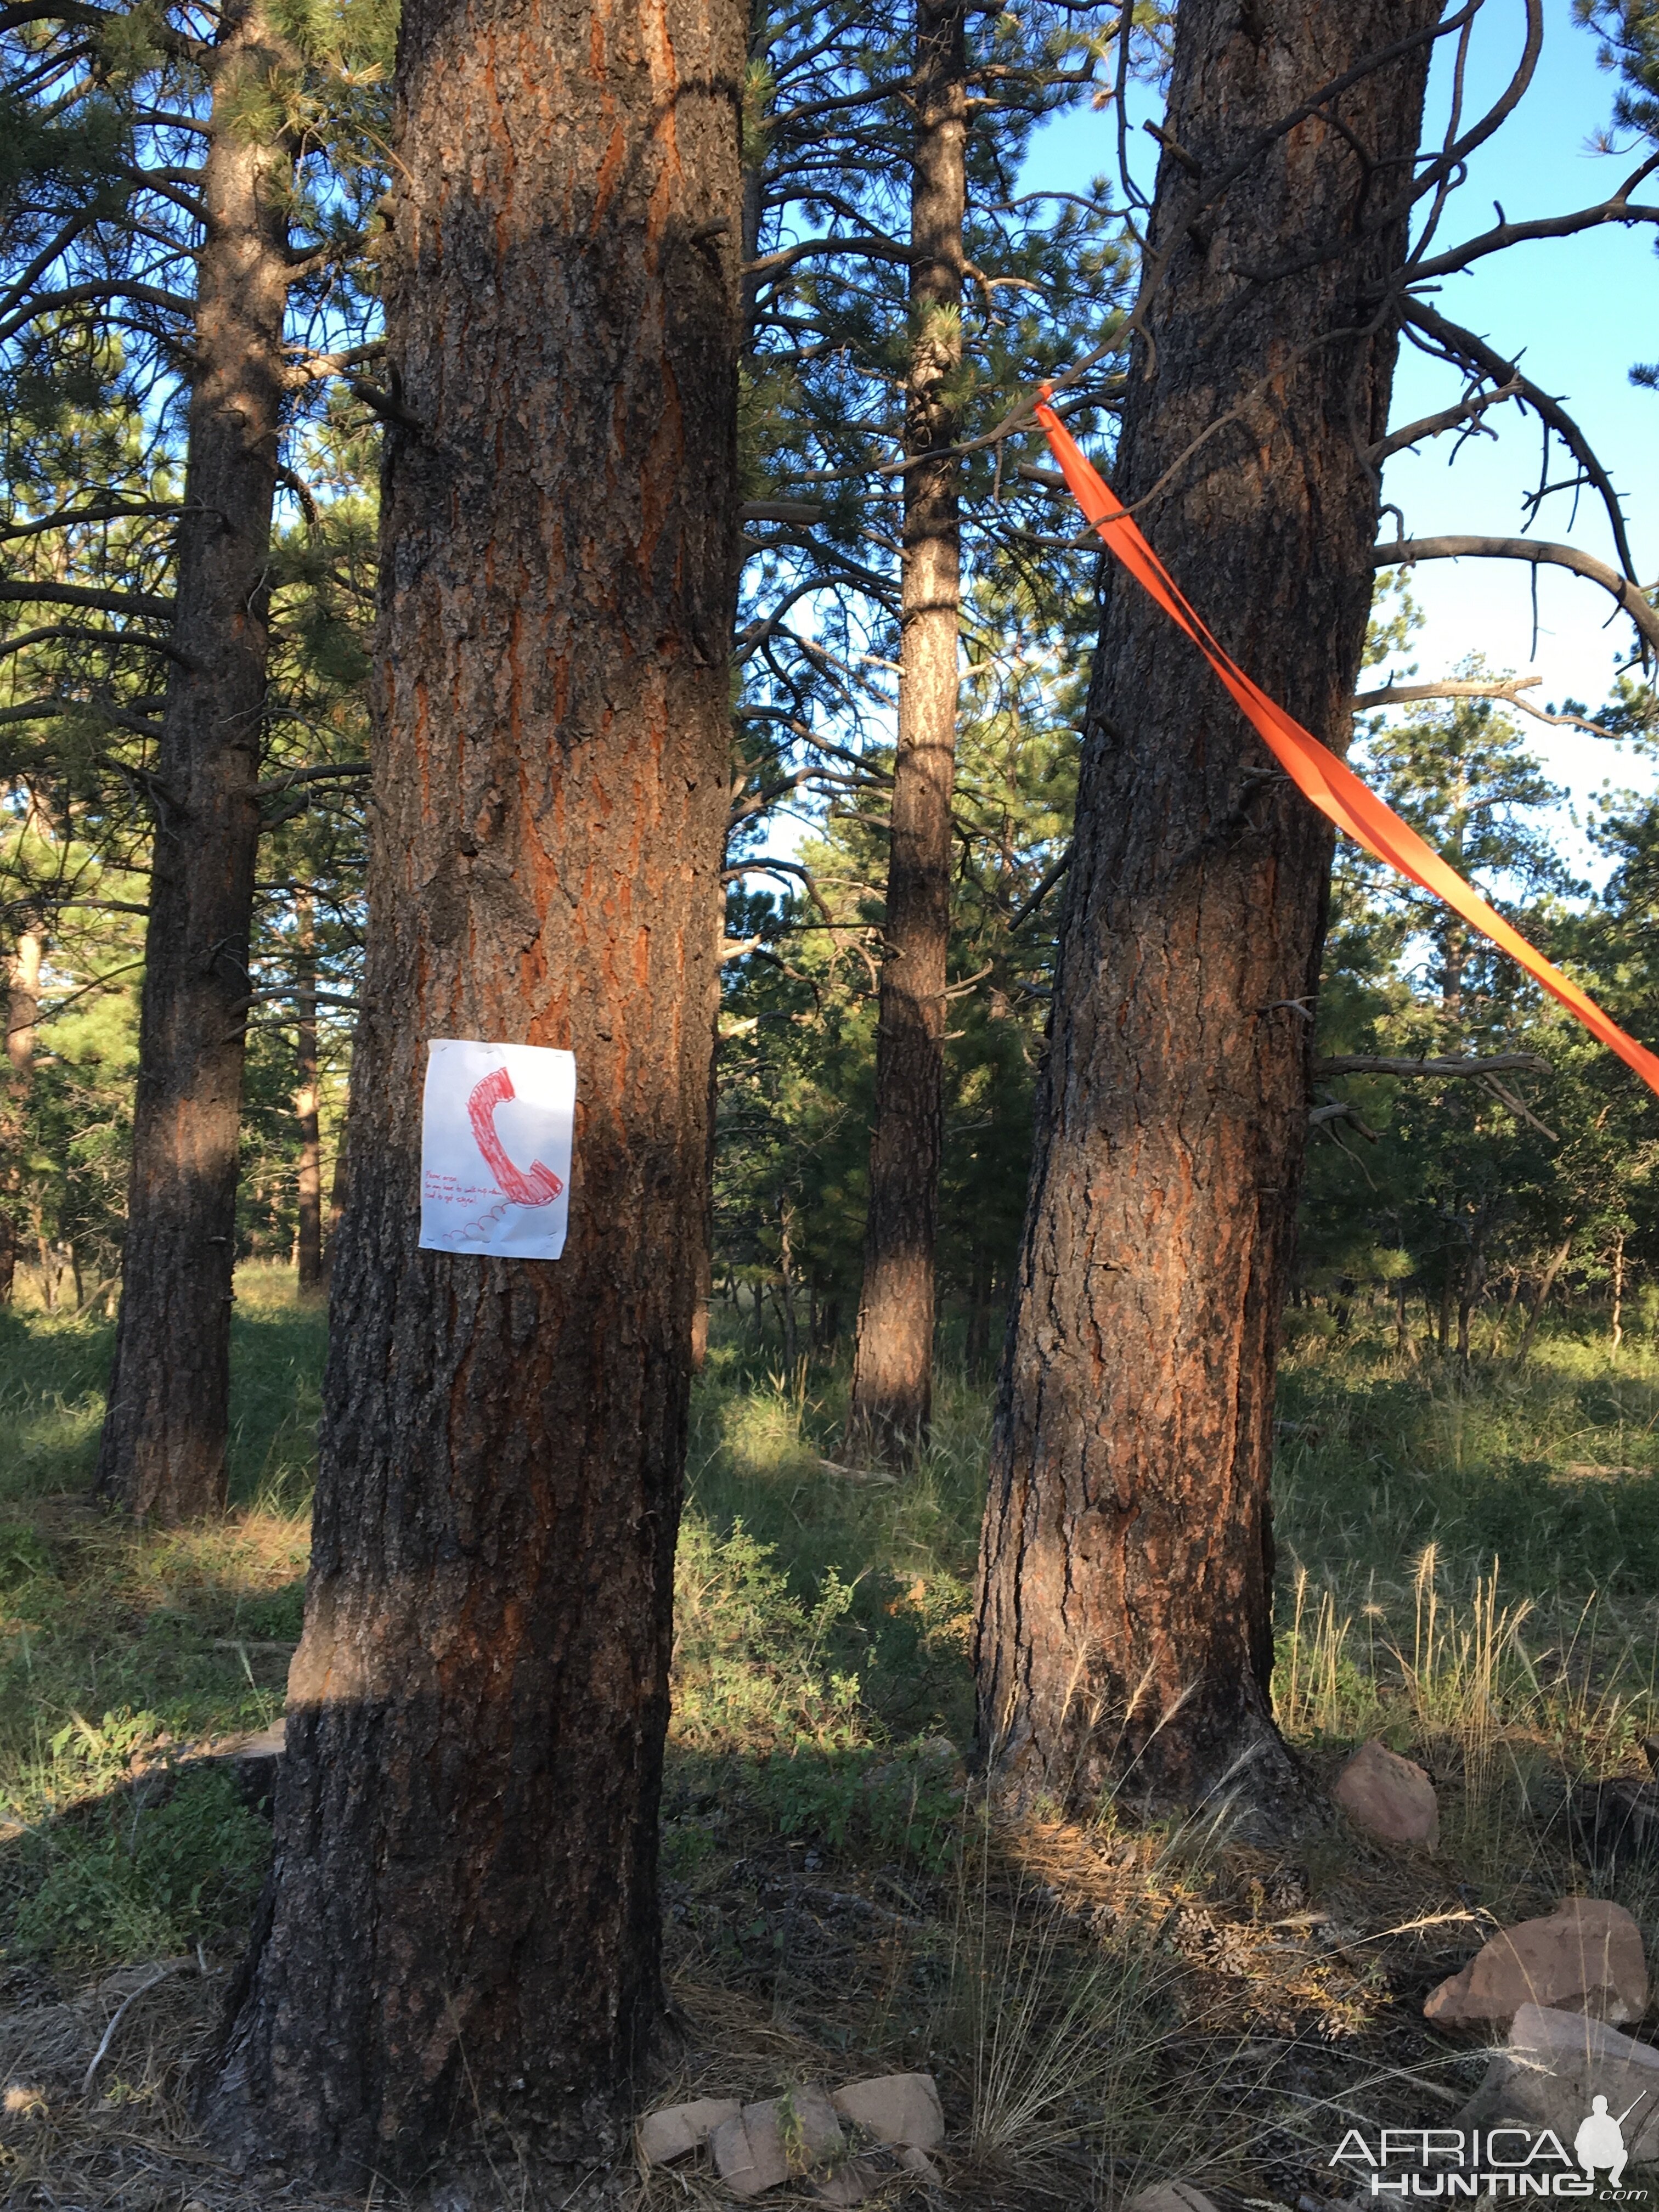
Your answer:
<point x="893" y="1361"/>
<point x="465" y="1913"/>
<point x="162" y="1452"/>
<point x="1125" y="1624"/>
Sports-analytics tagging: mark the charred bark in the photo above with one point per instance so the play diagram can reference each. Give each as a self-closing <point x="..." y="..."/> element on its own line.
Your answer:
<point x="1125" y="1614"/>
<point x="893" y="1359"/>
<point x="464" y="1916"/>
<point x="162" y="1453"/>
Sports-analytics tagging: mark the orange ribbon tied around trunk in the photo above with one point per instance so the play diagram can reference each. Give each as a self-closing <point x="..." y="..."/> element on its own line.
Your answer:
<point x="1314" y="769"/>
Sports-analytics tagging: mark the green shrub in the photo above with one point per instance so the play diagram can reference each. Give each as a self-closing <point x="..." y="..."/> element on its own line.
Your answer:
<point x="126" y="1881"/>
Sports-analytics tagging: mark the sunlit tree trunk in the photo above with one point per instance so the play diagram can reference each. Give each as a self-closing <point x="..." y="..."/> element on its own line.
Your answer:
<point x="162" y="1451"/>
<point x="1618" y="1290"/>
<point x="1125" y="1612"/>
<point x="22" y="1007"/>
<point x="893" y="1361"/>
<point x="464" y="1911"/>
<point x="306" y="1100"/>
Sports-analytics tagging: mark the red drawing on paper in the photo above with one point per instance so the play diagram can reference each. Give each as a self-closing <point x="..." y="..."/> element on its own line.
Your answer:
<point x="539" y="1186"/>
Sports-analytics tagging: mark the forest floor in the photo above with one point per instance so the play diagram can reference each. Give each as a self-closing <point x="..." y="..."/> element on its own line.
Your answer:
<point x="1469" y="1570"/>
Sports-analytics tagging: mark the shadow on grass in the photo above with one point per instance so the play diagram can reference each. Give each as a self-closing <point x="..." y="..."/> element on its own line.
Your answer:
<point x="53" y="1368"/>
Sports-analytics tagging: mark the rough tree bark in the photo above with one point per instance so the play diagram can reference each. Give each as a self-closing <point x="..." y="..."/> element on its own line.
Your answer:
<point x="309" y="1239"/>
<point x="1124" y="1632"/>
<point x="464" y="1912"/>
<point x="893" y="1358"/>
<point x="162" y="1452"/>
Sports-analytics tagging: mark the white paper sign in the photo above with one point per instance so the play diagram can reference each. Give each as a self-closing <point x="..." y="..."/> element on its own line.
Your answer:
<point x="496" y="1148"/>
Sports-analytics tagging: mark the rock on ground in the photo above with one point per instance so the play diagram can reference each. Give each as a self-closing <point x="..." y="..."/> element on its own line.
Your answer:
<point x="1554" y="2063"/>
<point x="1390" y="1797"/>
<point x="677" y="2129"/>
<point x="1170" y="2196"/>
<point x="1586" y="1957"/>
<point x="894" y="2108"/>
<point x="762" y="2145"/>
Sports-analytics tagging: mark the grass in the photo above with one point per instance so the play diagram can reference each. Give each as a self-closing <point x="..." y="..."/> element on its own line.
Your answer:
<point x="1469" y="1569"/>
<point x="52" y="1371"/>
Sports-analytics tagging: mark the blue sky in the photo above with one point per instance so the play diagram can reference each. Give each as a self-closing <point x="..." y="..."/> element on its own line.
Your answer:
<point x="1583" y="309"/>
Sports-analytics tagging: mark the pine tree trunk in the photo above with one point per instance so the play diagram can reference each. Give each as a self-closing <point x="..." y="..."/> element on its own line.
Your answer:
<point x="22" y="1004"/>
<point x="22" y="1008"/>
<point x="893" y="1359"/>
<point x="1618" y="1290"/>
<point x="306" y="1102"/>
<point x="1124" y="1621"/>
<point x="976" y="1349"/>
<point x="338" y="1190"/>
<point x="786" y="1288"/>
<point x="162" y="1453"/>
<point x="465" y="1913"/>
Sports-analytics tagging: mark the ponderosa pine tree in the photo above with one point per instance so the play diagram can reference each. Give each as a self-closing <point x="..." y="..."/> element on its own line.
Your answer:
<point x="161" y="220"/>
<point x="465" y="1913"/>
<point x="1125" y="1627"/>
<point x="925" y="295"/>
<point x="1124" y="1630"/>
<point x="893" y="1358"/>
<point x="166" y="1424"/>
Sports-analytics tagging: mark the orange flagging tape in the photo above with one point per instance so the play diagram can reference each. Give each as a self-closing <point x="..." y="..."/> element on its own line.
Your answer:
<point x="1314" y="769"/>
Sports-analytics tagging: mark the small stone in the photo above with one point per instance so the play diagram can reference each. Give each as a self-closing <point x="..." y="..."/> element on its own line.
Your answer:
<point x="1586" y="1957"/>
<point x="811" y="2129"/>
<point x="763" y="2144"/>
<point x="1555" y="2065"/>
<point x="748" y="2151"/>
<point x="849" y="2182"/>
<point x="918" y="2162"/>
<point x="894" y="2108"/>
<point x="677" y="2129"/>
<point x="1170" y="2196"/>
<point x="1390" y="1797"/>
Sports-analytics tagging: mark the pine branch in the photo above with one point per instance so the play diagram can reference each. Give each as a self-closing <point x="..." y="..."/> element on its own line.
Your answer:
<point x="1502" y="1063"/>
<point x="82" y="595"/>
<point x="1466" y="346"/>
<point x="1540" y="553"/>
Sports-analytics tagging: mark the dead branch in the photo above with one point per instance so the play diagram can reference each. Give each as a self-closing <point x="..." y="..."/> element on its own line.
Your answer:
<point x="1508" y="689"/>
<point x="1541" y="554"/>
<point x="1503" y="233"/>
<point x="1340" y="1109"/>
<point x="1468" y="348"/>
<point x="1521" y="1111"/>
<point x="82" y="595"/>
<point x="1468" y="410"/>
<point x="780" y="510"/>
<point x="1500" y="1063"/>
<point x="329" y="771"/>
<point x="1022" y="914"/>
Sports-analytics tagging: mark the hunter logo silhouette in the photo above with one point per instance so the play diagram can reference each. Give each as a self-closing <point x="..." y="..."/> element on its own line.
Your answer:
<point x="1600" y="2140"/>
<point x="536" y="1186"/>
